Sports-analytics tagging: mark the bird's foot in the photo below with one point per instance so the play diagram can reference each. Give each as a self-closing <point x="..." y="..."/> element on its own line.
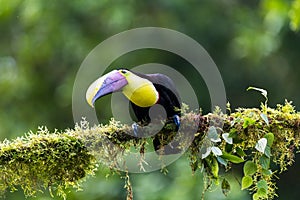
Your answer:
<point x="176" y="120"/>
<point x="135" y="128"/>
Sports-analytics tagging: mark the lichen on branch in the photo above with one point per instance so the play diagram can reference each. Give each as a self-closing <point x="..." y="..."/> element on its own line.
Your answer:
<point x="255" y="138"/>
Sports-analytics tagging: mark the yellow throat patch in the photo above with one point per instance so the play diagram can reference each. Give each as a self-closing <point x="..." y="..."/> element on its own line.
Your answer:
<point x="140" y="91"/>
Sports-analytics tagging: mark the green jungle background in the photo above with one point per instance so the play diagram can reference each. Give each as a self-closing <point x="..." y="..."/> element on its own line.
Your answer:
<point x="43" y="43"/>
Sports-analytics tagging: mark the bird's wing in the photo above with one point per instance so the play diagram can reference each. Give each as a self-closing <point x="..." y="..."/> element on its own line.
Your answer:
<point x="161" y="79"/>
<point x="168" y="95"/>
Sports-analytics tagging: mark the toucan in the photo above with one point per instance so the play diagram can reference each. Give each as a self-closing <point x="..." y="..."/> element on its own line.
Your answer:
<point x="143" y="91"/>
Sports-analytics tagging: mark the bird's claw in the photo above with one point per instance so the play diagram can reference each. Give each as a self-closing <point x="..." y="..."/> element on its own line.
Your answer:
<point x="135" y="127"/>
<point x="176" y="120"/>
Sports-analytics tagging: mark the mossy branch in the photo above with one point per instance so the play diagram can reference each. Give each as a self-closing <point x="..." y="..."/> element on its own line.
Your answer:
<point x="60" y="160"/>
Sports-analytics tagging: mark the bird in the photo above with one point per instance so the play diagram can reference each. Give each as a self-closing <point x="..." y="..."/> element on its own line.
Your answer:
<point x="143" y="91"/>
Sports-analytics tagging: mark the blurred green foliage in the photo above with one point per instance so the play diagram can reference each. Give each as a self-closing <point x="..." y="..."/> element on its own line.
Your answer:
<point x="43" y="43"/>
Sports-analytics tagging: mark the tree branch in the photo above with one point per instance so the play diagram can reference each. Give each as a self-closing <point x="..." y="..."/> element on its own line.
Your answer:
<point x="60" y="160"/>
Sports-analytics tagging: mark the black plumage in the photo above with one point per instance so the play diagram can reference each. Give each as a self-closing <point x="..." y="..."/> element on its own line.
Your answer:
<point x="169" y="99"/>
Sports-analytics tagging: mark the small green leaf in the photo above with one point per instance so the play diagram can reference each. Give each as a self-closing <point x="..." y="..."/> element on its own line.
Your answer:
<point x="261" y="145"/>
<point x="265" y="118"/>
<point x="248" y="121"/>
<point x="232" y="158"/>
<point x="250" y="168"/>
<point x="227" y="139"/>
<point x="262" y="193"/>
<point x="262" y="184"/>
<point x="264" y="161"/>
<point x="255" y="196"/>
<point x="240" y="152"/>
<point x="222" y="161"/>
<point x="213" y="135"/>
<point x="216" y="151"/>
<point x="270" y="138"/>
<point x="262" y="91"/>
<point x="247" y="181"/>
<point x="205" y="152"/>
<point x="268" y="151"/>
<point x="267" y="172"/>
<point x="215" y="167"/>
<point x="205" y="149"/>
<point x="225" y="187"/>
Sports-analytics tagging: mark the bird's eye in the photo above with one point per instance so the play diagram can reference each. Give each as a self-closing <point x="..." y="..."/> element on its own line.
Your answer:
<point x="123" y="71"/>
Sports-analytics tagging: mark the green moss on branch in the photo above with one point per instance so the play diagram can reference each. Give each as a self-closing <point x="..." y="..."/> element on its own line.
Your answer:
<point x="60" y="160"/>
<point x="44" y="160"/>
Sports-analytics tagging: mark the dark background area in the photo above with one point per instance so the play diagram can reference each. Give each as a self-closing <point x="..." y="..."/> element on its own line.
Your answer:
<point x="43" y="43"/>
